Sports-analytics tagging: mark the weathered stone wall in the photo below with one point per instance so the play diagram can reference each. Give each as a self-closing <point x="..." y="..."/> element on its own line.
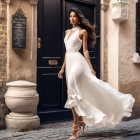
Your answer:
<point x="3" y="61"/>
<point x="20" y="65"/>
<point x="129" y="72"/>
<point x="119" y="47"/>
<point x="16" y="64"/>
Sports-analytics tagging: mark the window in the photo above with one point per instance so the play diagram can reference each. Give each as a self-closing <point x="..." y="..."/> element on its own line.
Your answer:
<point x="138" y="27"/>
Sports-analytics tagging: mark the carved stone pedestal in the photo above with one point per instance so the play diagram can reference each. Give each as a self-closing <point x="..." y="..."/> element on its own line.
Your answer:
<point x="22" y="99"/>
<point x="21" y="122"/>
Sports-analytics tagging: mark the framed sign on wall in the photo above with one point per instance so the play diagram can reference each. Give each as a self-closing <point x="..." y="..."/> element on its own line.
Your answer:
<point x="19" y="29"/>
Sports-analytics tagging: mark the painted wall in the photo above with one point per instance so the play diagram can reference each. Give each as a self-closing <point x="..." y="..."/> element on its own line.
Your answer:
<point x="20" y="66"/>
<point x="129" y="72"/>
<point x="15" y="64"/>
<point x="119" y="46"/>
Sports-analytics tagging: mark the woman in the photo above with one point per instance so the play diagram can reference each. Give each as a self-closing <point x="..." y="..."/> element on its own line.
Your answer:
<point x="93" y="101"/>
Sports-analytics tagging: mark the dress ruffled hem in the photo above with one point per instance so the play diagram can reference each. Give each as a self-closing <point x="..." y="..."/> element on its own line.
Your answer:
<point x="100" y="119"/>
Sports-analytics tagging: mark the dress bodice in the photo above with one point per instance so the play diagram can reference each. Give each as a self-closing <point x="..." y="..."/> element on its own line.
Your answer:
<point x="73" y="43"/>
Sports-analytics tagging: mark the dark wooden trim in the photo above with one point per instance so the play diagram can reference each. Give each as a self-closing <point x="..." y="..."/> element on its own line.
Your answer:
<point x="98" y="37"/>
<point x="138" y="27"/>
<point x="50" y="116"/>
<point x="93" y="2"/>
<point x="63" y="50"/>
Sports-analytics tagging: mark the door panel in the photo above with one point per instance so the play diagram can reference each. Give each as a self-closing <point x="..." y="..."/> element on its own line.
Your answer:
<point x="52" y="23"/>
<point x="49" y="62"/>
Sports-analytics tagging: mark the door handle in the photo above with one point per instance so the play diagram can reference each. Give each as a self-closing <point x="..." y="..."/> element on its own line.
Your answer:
<point x="39" y="43"/>
<point x="53" y="62"/>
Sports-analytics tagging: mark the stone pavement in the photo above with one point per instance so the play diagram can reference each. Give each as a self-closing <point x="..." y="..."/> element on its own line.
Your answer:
<point x="126" y="130"/>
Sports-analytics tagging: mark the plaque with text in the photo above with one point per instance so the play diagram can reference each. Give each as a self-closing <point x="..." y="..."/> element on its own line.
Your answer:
<point x="19" y="30"/>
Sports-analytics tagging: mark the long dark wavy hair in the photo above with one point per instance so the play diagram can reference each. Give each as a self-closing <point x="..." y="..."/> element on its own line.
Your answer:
<point x="85" y="24"/>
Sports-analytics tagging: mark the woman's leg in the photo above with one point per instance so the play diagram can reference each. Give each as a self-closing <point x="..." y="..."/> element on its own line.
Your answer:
<point x="82" y="125"/>
<point x="75" y="116"/>
<point x="75" y="127"/>
<point x="81" y="122"/>
<point x="80" y="118"/>
<point x="75" y="120"/>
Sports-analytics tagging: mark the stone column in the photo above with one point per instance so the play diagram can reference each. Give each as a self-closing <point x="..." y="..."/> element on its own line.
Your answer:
<point x="104" y="40"/>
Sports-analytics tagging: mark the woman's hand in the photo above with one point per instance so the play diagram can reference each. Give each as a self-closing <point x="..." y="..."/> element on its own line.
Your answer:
<point x="92" y="71"/>
<point x="60" y="74"/>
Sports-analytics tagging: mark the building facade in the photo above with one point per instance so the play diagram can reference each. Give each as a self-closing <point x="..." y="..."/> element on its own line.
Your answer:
<point x="117" y="50"/>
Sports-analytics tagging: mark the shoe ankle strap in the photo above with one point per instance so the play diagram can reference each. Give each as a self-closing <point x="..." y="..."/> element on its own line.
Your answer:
<point x="75" y="124"/>
<point x="75" y="128"/>
<point x="80" y="121"/>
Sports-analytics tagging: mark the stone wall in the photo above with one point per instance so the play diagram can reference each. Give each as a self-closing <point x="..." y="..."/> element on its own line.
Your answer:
<point x="20" y="64"/>
<point x="3" y="61"/>
<point x="119" y="47"/>
<point x="16" y="64"/>
<point x="129" y="72"/>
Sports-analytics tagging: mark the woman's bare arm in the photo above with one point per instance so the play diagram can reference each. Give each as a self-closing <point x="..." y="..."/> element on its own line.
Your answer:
<point x="64" y="63"/>
<point x="85" y="50"/>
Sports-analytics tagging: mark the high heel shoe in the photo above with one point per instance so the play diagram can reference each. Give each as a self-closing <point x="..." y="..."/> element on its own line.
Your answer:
<point x="82" y="127"/>
<point x="77" y="133"/>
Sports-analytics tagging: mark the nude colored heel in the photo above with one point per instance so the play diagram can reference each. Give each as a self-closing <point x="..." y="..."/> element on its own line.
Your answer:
<point x="82" y="128"/>
<point x="77" y="134"/>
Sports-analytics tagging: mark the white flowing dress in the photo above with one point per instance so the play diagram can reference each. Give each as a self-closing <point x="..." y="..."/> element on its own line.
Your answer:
<point x="95" y="100"/>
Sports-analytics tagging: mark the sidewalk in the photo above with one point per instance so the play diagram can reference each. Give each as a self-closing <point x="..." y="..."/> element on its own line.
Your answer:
<point x="126" y="130"/>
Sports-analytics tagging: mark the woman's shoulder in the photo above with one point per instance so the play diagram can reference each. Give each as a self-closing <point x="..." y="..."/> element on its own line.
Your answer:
<point x="83" y="31"/>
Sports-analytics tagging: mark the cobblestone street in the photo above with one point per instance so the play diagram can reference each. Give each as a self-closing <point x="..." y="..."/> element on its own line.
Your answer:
<point x="126" y="130"/>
